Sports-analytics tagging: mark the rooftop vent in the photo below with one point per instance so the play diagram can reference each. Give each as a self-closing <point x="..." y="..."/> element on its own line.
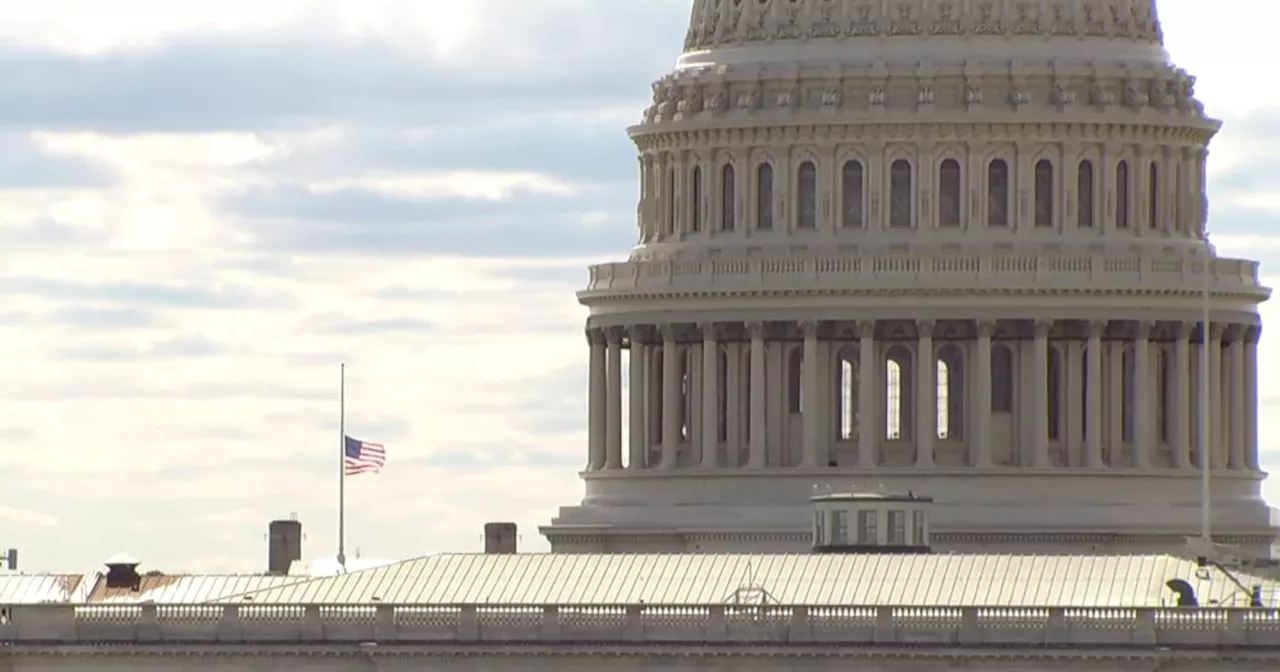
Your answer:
<point x="122" y="572"/>
<point x="870" y="522"/>
<point x="500" y="538"/>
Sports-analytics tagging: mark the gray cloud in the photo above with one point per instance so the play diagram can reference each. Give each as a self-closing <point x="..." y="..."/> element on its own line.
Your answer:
<point x="313" y="74"/>
<point x="24" y="164"/>
<point x="295" y="219"/>
<point x="347" y="326"/>
<point x="88" y="316"/>
<point x="140" y="294"/>
<point x="177" y="347"/>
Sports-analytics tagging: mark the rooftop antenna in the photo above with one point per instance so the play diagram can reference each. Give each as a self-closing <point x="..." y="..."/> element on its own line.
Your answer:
<point x="751" y="592"/>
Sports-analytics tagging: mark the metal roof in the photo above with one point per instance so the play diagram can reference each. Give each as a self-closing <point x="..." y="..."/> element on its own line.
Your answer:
<point x="165" y="588"/>
<point x="905" y="580"/>
<point x="186" y="588"/>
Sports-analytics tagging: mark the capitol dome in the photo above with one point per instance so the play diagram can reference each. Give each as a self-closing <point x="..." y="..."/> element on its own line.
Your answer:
<point x="952" y="246"/>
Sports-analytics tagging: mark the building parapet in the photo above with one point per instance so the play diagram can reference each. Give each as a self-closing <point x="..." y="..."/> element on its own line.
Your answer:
<point x="782" y="625"/>
<point x="890" y="272"/>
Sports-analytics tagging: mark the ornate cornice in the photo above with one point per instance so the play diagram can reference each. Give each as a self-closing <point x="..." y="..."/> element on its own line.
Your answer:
<point x="717" y="23"/>
<point x="427" y="653"/>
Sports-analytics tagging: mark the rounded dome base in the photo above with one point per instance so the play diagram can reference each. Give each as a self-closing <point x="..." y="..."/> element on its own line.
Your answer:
<point x="999" y="510"/>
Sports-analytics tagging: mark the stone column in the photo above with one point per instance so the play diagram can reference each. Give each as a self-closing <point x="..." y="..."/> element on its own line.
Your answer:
<point x="1251" y="399"/>
<point x="869" y="426"/>
<point x="613" y="400"/>
<point x="596" y="431"/>
<point x="1094" y="422"/>
<point x="926" y="402"/>
<point x="1040" y="394"/>
<point x="980" y="449"/>
<point x="757" y="436"/>
<point x="636" y="420"/>
<point x="1143" y="437"/>
<point x="671" y="402"/>
<point x="1180" y="411"/>
<point x="1216" y="452"/>
<point x="1236" y="400"/>
<point x="733" y="405"/>
<point x="811" y="416"/>
<point x="710" y="398"/>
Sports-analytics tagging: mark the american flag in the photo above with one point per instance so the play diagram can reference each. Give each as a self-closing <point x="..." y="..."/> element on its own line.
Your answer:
<point x="361" y="456"/>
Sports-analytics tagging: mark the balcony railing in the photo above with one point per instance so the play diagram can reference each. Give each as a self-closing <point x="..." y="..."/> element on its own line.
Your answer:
<point x="772" y="625"/>
<point x="889" y="272"/>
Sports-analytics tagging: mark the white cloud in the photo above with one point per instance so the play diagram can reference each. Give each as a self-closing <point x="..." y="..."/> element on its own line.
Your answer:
<point x="173" y="380"/>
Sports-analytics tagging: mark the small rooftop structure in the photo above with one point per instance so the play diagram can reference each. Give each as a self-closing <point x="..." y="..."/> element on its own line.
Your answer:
<point x="870" y="522"/>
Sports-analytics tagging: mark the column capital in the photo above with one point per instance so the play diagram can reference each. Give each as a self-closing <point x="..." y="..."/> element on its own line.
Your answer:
<point x="1142" y="329"/>
<point x="1184" y="330"/>
<point x="668" y="332"/>
<point x="924" y="328"/>
<point x="755" y="329"/>
<point x="1097" y="328"/>
<point x="1041" y="328"/>
<point x="613" y="336"/>
<point x="1237" y="332"/>
<point x="986" y="328"/>
<point x="595" y="335"/>
<point x="809" y="328"/>
<point x="866" y="328"/>
<point x="1216" y="331"/>
<point x="708" y="330"/>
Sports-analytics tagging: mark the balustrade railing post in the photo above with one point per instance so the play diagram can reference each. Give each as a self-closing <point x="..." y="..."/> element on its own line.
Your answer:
<point x="799" y="629"/>
<point x="634" y="628"/>
<point x="717" y="628"/>
<point x="549" y="629"/>
<point x="468" y="623"/>
<point x="1055" y="629"/>
<point x="148" y="623"/>
<point x="230" y="629"/>
<point x="1235" y="633"/>
<point x="1144" y="627"/>
<point x="886" y="630"/>
<point x="970" y="627"/>
<point x="384" y="623"/>
<point x="312" y="623"/>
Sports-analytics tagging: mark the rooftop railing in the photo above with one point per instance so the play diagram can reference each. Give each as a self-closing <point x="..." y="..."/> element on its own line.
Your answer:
<point x="958" y="271"/>
<point x="771" y="625"/>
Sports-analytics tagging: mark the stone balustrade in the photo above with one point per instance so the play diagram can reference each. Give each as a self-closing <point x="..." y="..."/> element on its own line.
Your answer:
<point x="772" y="625"/>
<point x="951" y="272"/>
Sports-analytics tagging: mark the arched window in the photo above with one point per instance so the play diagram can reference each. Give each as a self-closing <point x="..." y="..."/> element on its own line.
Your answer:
<point x="951" y="393"/>
<point x="686" y="394"/>
<point x="728" y="197"/>
<point x="795" y="374"/>
<point x="807" y="196"/>
<point x="1153" y="197"/>
<point x="949" y="193"/>
<point x="695" y="200"/>
<point x="722" y="393"/>
<point x="851" y="188"/>
<point x="1001" y="379"/>
<point x="998" y="193"/>
<point x="1164" y="419"/>
<point x="1127" y="396"/>
<point x="670" y="225"/>
<point x="1084" y="195"/>
<point x="847" y="375"/>
<point x="895" y="399"/>
<point x="1053" y="380"/>
<point x="901" y="195"/>
<point x="1122" y="195"/>
<point x="764" y="197"/>
<point x="1044" y="193"/>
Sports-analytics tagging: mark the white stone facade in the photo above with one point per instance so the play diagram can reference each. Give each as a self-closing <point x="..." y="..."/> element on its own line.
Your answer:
<point x="640" y="637"/>
<point x="955" y="247"/>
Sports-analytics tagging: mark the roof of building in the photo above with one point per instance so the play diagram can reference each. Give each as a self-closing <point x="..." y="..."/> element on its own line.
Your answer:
<point x="91" y="588"/>
<point x="875" y="579"/>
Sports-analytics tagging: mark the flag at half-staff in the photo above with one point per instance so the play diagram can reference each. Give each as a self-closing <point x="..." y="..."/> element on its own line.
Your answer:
<point x="361" y="456"/>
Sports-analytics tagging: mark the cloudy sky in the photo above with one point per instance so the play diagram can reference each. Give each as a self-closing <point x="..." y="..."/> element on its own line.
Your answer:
<point x="204" y="207"/>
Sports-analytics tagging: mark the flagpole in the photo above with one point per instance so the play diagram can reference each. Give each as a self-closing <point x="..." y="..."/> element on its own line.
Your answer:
<point x="342" y="467"/>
